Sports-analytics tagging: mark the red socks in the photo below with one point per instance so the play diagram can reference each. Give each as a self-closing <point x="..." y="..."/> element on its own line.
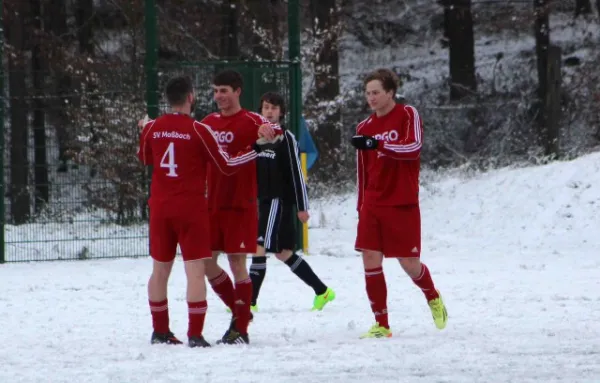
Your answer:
<point x="377" y="293"/>
<point x="243" y="296"/>
<point x="425" y="283"/>
<point x="160" y="316"/>
<point x="223" y="287"/>
<point x="196" y="315"/>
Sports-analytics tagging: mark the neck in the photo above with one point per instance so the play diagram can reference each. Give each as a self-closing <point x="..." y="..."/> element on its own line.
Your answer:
<point x="386" y="109"/>
<point x="231" y="111"/>
<point x="186" y="109"/>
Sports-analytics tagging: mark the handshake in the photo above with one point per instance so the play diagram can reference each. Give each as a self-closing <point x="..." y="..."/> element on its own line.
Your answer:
<point x="364" y="142"/>
<point x="266" y="135"/>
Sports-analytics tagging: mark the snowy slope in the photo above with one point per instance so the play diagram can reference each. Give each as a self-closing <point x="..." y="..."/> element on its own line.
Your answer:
<point x="515" y="252"/>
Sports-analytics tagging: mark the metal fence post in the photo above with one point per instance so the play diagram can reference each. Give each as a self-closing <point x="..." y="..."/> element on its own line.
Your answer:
<point x="151" y="69"/>
<point x="295" y="87"/>
<point x="151" y="62"/>
<point x="2" y="103"/>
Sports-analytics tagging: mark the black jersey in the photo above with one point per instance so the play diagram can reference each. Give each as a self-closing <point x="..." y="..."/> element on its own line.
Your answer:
<point x="279" y="172"/>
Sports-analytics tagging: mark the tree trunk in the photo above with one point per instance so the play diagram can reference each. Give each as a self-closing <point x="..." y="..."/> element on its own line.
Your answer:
<point x="542" y="42"/>
<point x="552" y="103"/>
<point x="40" y="173"/>
<point x="85" y="26"/>
<point x="325" y="16"/>
<point x="542" y="46"/>
<point x="56" y="19"/>
<point x="20" y="203"/>
<point x="583" y="7"/>
<point x="327" y="85"/>
<point x="85" y="36"/>
<point x="229" y="36"/>
<point x="459" y="27"/>
<point x="267" y="39"/>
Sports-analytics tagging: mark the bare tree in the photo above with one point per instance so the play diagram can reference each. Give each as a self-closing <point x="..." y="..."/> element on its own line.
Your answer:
<point x="458" y="27"/>
<point x="548" y="75"/>
<point x="16" y="31"/>
<point x="38" y="68"/>
<point x="321" y="101"/>
<point x="583" y="7"/>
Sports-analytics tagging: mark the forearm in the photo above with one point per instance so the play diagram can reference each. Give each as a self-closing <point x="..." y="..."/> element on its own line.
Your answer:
<point x="410" y="151"/>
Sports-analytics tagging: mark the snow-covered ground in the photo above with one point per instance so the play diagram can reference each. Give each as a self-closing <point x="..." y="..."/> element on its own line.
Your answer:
<point x="515" y="252"/>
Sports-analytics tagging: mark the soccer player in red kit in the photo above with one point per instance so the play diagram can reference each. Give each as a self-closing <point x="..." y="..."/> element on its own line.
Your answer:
<point x="179" y="148"/>
<point x="233" y="202"/>
<point x="389" y="219"/>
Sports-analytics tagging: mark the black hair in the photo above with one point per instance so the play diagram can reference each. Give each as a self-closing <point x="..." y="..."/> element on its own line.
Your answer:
<point x="275" y="99"/>
<point x="177" y="90"/>
<point x="229" y="77"/>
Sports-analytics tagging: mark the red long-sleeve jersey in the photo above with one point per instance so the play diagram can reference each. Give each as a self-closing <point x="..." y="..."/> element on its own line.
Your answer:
<point x="389" y="176"/>
<point x="180" y="148"/>
<point x="235" y="133"/>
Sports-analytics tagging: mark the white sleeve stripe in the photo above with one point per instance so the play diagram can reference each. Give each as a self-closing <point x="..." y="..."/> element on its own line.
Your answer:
<point x="264" y="120"/>
<point x="361" y="124"/>
<point x="413" y="146"/>
<point x="238" y="160"/>
<point x="299" y="168"/>
<point x="403" y="148"/>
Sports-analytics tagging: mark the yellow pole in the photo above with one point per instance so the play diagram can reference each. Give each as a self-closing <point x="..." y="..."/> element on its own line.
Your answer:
<point x="304" y="225"/>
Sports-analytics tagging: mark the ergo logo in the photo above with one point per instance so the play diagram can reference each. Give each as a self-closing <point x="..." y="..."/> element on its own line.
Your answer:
<point x="392" y="135"/>
<point x="224" y="137"/>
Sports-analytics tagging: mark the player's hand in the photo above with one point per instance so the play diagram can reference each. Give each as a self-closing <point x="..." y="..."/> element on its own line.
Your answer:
<point x="365" y="142"/>
<point x="266" y="131"/>
<point x="303" y="216"/>
<point x="143" y="122"/>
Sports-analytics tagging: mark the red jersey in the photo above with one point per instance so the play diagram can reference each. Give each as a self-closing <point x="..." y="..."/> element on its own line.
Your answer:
<point x="180" y="148"/>
<point x="235" y="133"/>
<point x="389" y="176"/>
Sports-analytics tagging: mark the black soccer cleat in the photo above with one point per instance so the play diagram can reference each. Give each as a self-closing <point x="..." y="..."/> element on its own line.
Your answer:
<point x="232" y="336"/>
<point x="164" y="338"/>
<point x="231" y="327"/>
<point x="197" y="341"/>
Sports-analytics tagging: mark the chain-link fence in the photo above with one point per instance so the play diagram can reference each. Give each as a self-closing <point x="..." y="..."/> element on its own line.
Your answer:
<point x="73" y="188"/>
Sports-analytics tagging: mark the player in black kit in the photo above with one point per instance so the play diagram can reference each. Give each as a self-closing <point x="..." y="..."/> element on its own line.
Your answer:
<point x="281" y="188"/>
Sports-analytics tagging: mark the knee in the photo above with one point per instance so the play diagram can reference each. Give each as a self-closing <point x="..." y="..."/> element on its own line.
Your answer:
<point x="284" y="255"/>
<point x="372" y="259"/>
<point x="237" y="262"/>
<point x="195" y="270"/>
<point x="412" y="266"/>
<point x="211" y="268"/>
<point x="161" y="272"/>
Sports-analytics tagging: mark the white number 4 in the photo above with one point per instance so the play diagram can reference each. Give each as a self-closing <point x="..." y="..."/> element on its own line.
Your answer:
<point x="168" y="160"/>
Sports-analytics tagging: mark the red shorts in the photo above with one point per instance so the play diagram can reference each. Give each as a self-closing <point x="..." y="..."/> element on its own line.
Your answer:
<point x="234" y="231"/>
<point x="179" y="222"/>
<point x="393" y="230"/>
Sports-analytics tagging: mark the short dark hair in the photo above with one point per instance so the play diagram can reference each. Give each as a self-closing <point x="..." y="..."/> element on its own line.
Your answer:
<point x="389" y="80"/>
<point x="229" y="77"/>
<point x="177" y="90"/>
<point x="275" y="99"/>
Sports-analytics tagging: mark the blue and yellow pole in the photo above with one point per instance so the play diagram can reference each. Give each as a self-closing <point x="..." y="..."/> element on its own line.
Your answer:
<point x="304" y="225"/>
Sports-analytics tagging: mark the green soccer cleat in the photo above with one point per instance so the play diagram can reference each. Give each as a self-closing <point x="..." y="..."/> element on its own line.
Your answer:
<point x="321" y="300"/>
<point x="438" y="311"/>
<point x="377" y="331"/>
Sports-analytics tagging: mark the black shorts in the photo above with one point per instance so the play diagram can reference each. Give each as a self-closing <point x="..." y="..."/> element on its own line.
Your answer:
<point x="276" y="226"/>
